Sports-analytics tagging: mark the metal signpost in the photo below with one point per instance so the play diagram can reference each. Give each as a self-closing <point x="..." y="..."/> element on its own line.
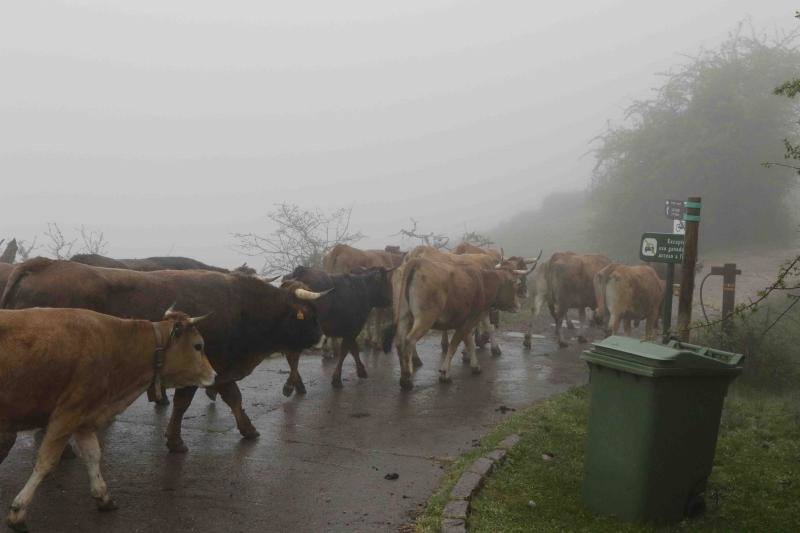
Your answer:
<point x="692" y="220"/>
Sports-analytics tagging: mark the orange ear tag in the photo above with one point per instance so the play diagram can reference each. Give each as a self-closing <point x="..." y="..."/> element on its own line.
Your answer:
<point x="300" y="315"/>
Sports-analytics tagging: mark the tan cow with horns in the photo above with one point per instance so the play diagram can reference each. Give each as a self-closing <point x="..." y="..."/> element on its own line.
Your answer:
<point x="73" y="370"/>
<point x="442" y="295"/>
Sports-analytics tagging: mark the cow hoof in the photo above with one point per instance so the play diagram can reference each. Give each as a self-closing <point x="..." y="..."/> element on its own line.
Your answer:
<point x="288" y="389"/>
<point x="176" y="446"/>
<point x="336" y="383"/>
<point x="444" y="378"/>
<point x="107" y="505"/>
<point x="527" y="342"/>
<point x="300" y="388"/>
<point x="362" y="372"/>
<point x="496" y="351"/>
<point x="250" y="434"/>
<point x="582" y="339"/>
<point x="17" y="526"/>
<point x="563" y="344"/>
<point x="163" y="402"/>
<point x="406" y="384"/>
<point x="417" y="362"/>
<point x="476" y="370"/>
<point x="212" y="394"/>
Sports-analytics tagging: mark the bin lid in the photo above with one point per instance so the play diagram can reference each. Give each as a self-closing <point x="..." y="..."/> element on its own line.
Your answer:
<point x="655" y="360"/>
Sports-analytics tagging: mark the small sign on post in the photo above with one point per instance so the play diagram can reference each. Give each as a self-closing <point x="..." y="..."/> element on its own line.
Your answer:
<point x="661" y="248"/>
<point x="679" y="227"/>
<point x="675" y="209"/>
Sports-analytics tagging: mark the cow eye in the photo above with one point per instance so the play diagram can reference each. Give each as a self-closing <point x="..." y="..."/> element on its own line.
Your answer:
<point x="198" y="347"/>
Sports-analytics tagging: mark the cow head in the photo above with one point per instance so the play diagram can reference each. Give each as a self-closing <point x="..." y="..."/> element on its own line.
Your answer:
<point x="300" y="326"/>
<point x="379" y="282"/>
<point x="185" y="360"/>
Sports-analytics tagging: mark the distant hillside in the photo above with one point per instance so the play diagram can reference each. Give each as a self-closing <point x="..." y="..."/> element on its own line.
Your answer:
<point x="560" y="224"/>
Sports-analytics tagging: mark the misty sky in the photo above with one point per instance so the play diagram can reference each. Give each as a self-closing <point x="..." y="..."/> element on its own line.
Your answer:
<point x="171" y="124"/>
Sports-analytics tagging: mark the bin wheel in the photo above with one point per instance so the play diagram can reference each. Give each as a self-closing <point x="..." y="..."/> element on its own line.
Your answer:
<point x="695" y="506"/>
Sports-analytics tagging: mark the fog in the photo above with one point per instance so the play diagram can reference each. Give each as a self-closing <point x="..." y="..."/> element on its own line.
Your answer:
<point x="171" y="124"/>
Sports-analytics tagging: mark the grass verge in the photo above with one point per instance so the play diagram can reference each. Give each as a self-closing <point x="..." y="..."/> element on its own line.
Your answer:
<point x="755" y="485"/>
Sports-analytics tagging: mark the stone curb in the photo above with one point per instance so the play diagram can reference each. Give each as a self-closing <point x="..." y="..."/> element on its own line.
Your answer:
<point x="454" y="516"/>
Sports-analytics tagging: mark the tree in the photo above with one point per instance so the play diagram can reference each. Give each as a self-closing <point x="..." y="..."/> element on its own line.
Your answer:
<point x="704" y="133"/>
<point x="302" y="237"/>
<point x="476" y="238"/>
<point x="437" y="240"/>
<point x="94" y="241"/>
<point x="58" y="245"/>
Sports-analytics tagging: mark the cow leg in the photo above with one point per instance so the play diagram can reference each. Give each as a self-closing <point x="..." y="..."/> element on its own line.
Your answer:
<point x="613" y="324"/>
<point x="445" y="342"/>
<point x="361" y="370"/>
<point x="458" y="337"/>
<point x="559" y="317"/>
<point x="340" y="354"/>
<point x="232" y="396"/>
<point x="492" y="328"/>
<point x="7" y="440"/>
<point x="294" y="381"/>
<point x="626" y="325"/>
<point x="416" y="362"/>
<point x="526" y="342"/>
<point x="151" y="395"/>
<point x="469" y="342"/>
<point x="407" y="351"/>
<point x="49" y="454"/>
<point x="181" y="401"/>
<point x="583" y="325"/>
<point x="211" y="392"/>
<point x="89" y="449"/>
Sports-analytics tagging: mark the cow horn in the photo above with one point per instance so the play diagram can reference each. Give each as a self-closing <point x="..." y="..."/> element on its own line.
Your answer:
<point x="194" y="320"/>
<point x="171" y="309"/>
<point x="265" y="279"/>
<point x="535" y="262"/>
<point x="310" y="295"/>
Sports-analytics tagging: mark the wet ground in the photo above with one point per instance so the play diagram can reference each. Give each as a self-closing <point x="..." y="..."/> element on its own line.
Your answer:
<point x="320" y="462"/>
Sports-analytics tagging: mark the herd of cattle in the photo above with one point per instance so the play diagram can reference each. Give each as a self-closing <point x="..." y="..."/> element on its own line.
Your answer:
<point x="80" y="340"/>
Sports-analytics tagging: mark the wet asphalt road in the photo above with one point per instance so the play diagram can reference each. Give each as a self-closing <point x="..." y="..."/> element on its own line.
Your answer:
<point x="320" y="462"/>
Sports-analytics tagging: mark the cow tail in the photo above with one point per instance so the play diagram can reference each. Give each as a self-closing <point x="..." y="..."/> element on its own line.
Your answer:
<point x="20" y="271"/>
<point x="401" y="305"/>
<point x="14" y="278"/>
<point x="600" y="294"/>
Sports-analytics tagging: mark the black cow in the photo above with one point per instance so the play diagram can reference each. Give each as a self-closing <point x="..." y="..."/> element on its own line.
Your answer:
<point x="147" y="264"/>
<point x="343" y="313"/>
<point x="251" y="319"/>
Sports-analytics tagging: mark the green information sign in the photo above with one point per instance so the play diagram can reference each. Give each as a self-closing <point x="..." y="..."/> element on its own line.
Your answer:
<point x="661" y="248"/>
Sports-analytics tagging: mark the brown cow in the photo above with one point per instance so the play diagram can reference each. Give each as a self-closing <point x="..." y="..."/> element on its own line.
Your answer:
<point x="488" y="327"/>
<point x="565" y="281"/>
<point x="445" y="295"/>
<point x="480" y="260"/>
<point x="251" y="320"/>
<point x="73" y="370"/>
<point x="626" y="293"/>
<point x="469" y="248"/>
<point x="344" y="259"/>
<point x="147" y="264"/>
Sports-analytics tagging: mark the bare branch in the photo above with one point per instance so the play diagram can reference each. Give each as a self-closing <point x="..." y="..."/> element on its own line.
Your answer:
<point x="59" y="247"/>
<point x="437" y="240"/>
<point x="302" y="237"/>
<point x="94" y="242"/>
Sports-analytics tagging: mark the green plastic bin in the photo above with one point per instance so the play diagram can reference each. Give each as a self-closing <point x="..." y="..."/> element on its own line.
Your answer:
<point x="653" y="422"/>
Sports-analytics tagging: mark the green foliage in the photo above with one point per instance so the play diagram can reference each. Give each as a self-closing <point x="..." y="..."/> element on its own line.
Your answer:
<point x="703" y="134"/>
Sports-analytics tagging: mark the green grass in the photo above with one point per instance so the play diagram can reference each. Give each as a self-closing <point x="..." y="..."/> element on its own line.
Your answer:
<point x="755" y="485"/>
